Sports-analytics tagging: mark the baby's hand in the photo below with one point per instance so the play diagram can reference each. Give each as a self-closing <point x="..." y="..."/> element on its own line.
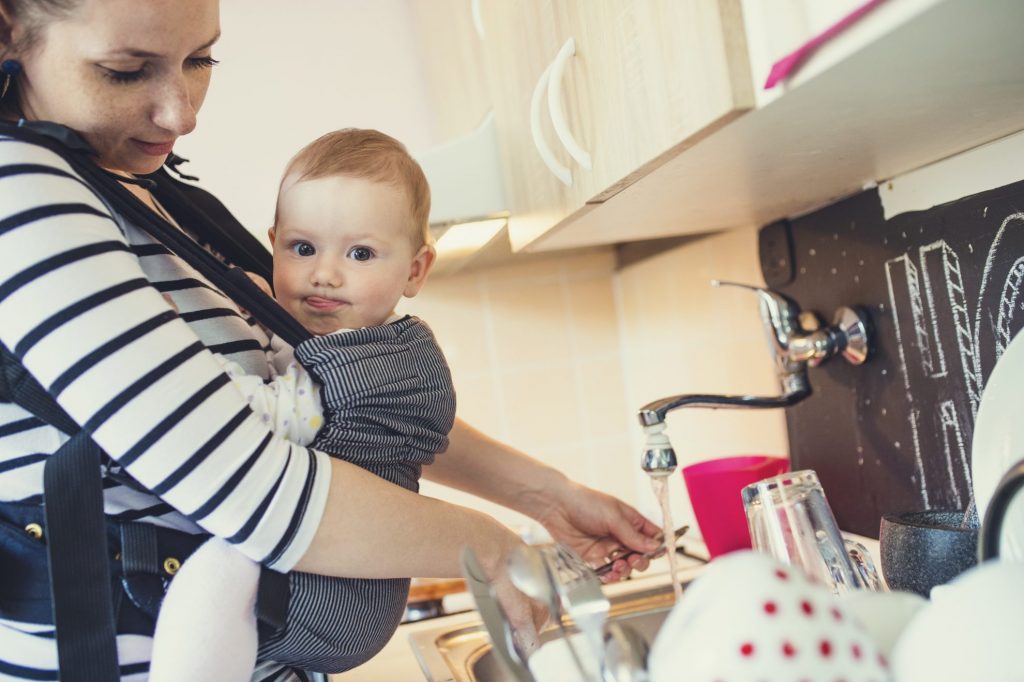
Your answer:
<point x="261" y="283"/>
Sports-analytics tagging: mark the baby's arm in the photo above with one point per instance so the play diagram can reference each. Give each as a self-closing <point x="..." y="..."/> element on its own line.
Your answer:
<point x="289" y="405"/>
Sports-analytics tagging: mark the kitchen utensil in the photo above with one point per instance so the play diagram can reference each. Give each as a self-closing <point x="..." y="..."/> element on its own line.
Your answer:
<point x="529" y="572"/>
<point x="970" y="630"/>
<point x="625" y="555"/>
<point x="494" y="618"/>
<point x="789" y="518"/>
<point x="923" y="549"/>
<point x="554" y="662"/>
<point x="748" y="618"/>
<point x="625" y="654"/>
<point x="579" y="590"/>
<point x="998" y="443"/>
<point x="714" y="487"/>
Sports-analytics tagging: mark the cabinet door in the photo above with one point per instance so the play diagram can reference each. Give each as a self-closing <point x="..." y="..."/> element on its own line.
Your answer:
<point x="521" y="40"/>
<point x="452" y="60"/>
<point x="648" y="76"/>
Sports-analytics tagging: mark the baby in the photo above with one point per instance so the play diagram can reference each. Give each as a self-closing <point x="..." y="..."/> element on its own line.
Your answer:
<point x="350" y="240"/>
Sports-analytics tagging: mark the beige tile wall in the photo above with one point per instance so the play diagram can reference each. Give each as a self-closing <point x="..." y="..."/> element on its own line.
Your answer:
<point x="554" y="356"/>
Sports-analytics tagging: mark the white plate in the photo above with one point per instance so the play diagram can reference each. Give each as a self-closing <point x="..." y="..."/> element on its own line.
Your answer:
<point x="999" y="442"/>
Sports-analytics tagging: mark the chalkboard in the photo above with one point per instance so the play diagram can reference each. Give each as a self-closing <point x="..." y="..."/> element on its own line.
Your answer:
<point x="943" y="289"/>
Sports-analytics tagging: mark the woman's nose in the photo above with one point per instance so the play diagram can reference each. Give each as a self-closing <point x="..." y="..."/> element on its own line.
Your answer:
<point x="175" y="112"/>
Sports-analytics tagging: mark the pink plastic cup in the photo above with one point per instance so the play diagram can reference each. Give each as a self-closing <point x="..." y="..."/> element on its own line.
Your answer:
<point x="714" y="487"/>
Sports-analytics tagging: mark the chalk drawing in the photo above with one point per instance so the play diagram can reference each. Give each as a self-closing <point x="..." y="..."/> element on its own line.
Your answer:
<point x="914" y="415"/>
<point x="953" y="439"/>
<point x="1016" y="221"/>
<point x="911" y="276"/>
<point x="940" y="356"/>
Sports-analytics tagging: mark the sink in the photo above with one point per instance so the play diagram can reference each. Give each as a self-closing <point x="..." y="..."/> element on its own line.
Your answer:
<point x="463" y="652"/>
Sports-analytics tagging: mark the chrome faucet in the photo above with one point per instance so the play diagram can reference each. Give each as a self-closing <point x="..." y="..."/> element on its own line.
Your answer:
<point x="794" y="347"/>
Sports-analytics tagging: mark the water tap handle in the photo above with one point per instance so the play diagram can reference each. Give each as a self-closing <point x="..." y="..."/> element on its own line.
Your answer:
<point x="779" y="314"/>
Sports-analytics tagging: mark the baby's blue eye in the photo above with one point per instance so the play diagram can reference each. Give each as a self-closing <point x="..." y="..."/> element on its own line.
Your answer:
<point x="303" y="249"/>
<point x="360" y="253"/>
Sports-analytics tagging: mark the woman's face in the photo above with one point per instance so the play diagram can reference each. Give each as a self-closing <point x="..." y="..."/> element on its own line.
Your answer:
<point x="129" y="76"/>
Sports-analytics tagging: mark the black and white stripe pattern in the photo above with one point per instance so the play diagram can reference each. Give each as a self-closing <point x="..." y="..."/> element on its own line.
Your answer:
<point x="388" y="406"/>
<point x="387" y="397"/>
<point x="81" y="303"/>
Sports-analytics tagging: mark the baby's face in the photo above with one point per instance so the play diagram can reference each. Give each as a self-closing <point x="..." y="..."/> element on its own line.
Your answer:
<point x="343" y="252"/>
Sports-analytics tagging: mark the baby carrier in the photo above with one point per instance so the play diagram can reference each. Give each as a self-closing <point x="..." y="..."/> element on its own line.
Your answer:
<point x="89" y="571"/>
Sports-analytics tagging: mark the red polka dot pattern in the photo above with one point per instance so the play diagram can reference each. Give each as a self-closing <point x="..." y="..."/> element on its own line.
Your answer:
<point x="799" y="632"/>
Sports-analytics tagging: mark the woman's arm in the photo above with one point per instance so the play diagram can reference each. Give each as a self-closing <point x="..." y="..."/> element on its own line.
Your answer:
<point x="591" y="522"/>
<point x="81" y="315"/>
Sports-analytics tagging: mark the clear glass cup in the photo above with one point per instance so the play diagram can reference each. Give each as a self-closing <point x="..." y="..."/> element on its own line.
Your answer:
<point x="789" y="518"/>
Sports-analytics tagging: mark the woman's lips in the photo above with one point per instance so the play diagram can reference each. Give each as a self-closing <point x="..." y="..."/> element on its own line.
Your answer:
<point x="155" y="148"/>
<point x="324" y="304"/>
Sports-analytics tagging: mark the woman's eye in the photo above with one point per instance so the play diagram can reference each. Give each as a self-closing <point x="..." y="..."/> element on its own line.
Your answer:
<point x="360" y="253"/>
<point x="201" y="62"/>
<point x="124" y="76"/>
<point x="303" y="249"/>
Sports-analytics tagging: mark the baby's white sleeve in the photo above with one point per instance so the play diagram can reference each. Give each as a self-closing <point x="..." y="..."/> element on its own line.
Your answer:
<point x="289" y="404"/>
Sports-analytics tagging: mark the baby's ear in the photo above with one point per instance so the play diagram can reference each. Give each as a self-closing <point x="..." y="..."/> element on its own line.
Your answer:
<point x="419" y="269"/>
<point x="271" y="234"/>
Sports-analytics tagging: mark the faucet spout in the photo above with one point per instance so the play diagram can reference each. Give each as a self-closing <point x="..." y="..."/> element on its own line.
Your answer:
<point x="654" y="412"/>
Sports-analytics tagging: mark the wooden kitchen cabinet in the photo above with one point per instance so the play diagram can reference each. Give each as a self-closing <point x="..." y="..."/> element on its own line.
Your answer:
<point x="666" y="97"/>
<point x="914" y="82"/>
<point x="522" y="38"/>
<point x="646" y="77"/>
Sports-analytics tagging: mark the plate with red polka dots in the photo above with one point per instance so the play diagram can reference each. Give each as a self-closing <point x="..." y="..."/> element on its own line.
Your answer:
<point x="751" y="619"/>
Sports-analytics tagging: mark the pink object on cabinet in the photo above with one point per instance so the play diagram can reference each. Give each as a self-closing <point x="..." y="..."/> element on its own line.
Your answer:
<point x="714" y="487"/>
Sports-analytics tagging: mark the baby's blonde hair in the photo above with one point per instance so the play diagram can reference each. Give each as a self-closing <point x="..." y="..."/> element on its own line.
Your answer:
<point x="369" y="155"/>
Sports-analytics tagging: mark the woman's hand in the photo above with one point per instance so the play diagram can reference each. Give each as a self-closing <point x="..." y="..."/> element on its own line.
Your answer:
<point x="597" y="526"/>
<point x="525" y="615"/>
<point x="592" y="523"/>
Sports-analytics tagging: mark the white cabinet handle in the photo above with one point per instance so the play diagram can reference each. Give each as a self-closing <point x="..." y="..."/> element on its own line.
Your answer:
<point x="560" y="171"/>
<point x="478" y="20"/>
<point x="555" y="105"/>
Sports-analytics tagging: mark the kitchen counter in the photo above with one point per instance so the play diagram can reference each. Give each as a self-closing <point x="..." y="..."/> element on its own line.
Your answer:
<point x="397" y="663"/>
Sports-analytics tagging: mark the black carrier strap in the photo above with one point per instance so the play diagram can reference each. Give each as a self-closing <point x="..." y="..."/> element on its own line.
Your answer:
<point x="79" y="570"/>
<point x="80" y="580"/>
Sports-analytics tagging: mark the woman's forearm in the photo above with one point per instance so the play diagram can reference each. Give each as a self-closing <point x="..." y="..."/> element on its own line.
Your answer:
<point x="480" y="465"/>
<point x="371" y="528"/>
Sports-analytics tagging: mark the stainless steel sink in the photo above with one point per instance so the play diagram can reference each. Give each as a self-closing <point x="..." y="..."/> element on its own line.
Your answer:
<point x="463" y="653"/>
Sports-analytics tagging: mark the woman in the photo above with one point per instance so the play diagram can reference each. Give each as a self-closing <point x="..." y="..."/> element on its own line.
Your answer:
<point x="82" y="307"/>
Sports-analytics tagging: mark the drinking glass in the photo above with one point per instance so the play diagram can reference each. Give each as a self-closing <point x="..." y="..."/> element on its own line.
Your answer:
<point x="789" y="518"/>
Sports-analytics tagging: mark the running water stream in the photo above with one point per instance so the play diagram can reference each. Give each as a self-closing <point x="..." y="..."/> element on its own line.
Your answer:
<point x="659" y="484"/>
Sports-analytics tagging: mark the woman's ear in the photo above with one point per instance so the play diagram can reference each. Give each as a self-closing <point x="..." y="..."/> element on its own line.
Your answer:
<point x="6" y="30"/>
<point x="419" y="269"/>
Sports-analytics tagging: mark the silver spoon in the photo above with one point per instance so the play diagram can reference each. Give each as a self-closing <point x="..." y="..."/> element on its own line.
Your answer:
<point x="529" y="573"/>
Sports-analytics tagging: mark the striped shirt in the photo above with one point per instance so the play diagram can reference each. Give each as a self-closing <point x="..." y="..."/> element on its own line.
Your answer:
<point x="81" y="303"/>
<point x="389" y="404"/>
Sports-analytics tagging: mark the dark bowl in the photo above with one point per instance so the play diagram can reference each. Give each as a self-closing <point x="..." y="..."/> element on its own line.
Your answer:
<point x="923" y="549"/>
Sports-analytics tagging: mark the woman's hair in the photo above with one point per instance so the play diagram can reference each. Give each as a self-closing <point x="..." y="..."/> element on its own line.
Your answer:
<point x="32" y="16"/>
<point x="369" y="155"/>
